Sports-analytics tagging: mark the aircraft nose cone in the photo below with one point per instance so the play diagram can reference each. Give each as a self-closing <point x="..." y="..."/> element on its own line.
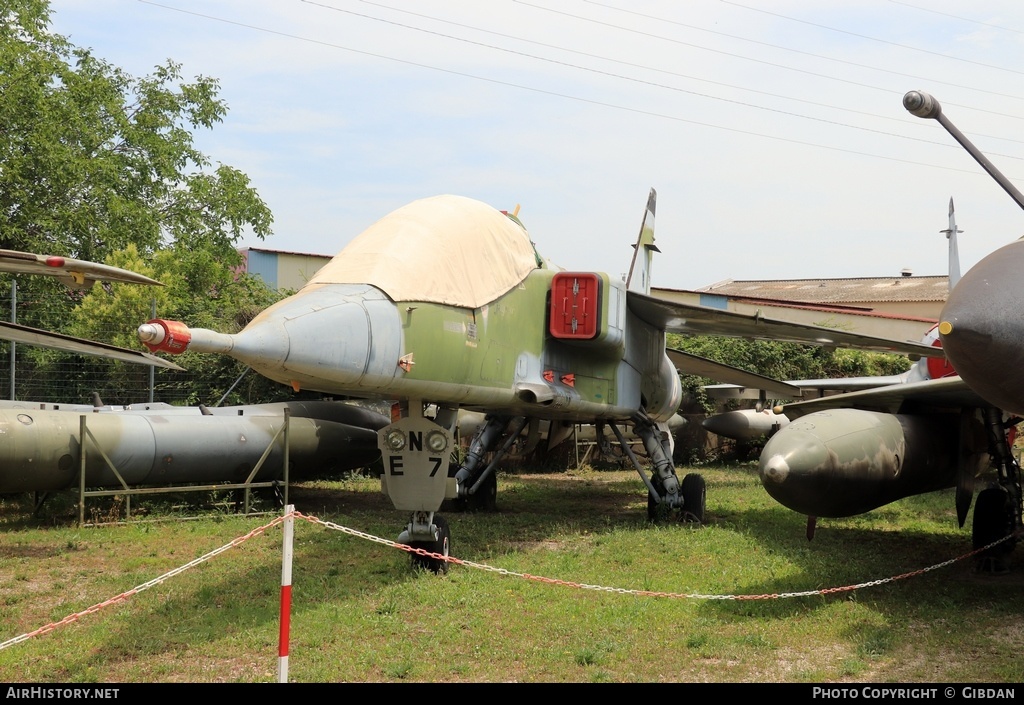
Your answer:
<point x="982" y="328"/>
<point x="795" y="469"/>
<point x="351" y="345"/>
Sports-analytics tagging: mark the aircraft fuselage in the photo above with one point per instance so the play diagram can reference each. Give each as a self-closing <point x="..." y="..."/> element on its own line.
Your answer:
<point x="501" y="355"/>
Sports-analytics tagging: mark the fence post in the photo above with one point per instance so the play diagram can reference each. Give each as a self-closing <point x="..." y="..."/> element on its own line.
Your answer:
<point x="286" y="594"/>
<point x="14" y="319"/>
<point x="152" y="370"/>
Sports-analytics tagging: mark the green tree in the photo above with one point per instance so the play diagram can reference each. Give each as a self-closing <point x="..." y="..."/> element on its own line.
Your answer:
<point x="93" y="159"/>
<point x="782" y="360"/>
<point x="100" y="165"/>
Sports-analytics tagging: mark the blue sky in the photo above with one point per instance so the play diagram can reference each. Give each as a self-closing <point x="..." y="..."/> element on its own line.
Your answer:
<point x="773" y="130"/>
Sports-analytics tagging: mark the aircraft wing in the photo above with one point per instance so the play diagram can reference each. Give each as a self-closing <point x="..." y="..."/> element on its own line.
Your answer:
<point x="75" y="272"/>
<point x="690" y="364"/>
<point x="949" y="392"/>
<point x="806" y="388"/>
<point x="676" y="317"/>
<point x="67" y="343"/>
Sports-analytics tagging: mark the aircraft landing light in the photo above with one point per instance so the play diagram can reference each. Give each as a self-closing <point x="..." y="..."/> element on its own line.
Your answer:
<point x="436" y="441"/>
<point x="395" y="440"/>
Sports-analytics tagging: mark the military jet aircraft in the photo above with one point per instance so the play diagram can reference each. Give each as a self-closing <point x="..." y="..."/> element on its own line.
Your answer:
<point x="848" y="454"/>
<point x="446" y="302"/>
<point x="748" y="425"/>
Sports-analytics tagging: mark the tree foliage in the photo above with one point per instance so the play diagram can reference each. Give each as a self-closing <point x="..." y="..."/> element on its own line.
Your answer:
<point x="100" y="165"/>
<point x="783" y="361"/>
<point x="94" y="159"/>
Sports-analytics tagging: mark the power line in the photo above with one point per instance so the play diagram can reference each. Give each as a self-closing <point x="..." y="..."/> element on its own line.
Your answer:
<point x="616" y="75"/>
<point x="873" y="39"/>
<point x="542" y="91"/>
<point x="796" y="51"/>
<point x="958" y="17"/>
<point x="676" y="73"/>
<point x="745" y="58"/>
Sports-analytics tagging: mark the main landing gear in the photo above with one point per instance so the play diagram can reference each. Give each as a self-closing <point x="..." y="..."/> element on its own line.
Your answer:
<point x="997" y="511"/>
<point x="665" y="494"/>
<point x="477" y="483"/>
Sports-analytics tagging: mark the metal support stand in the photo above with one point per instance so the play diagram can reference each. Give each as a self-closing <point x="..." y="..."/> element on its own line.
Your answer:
<point x="128" y="491"/>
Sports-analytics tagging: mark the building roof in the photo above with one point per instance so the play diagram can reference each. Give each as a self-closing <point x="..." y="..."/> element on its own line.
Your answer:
<point x="859" y="290"/>
<point x="267" y="250"/>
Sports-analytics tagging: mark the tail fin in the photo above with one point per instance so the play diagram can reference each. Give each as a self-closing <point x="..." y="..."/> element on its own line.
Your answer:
<point x="639" y="277"/>
<point x="954" y="254"/>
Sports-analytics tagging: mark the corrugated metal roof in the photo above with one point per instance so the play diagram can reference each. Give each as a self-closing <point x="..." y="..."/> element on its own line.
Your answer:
<point x="847" y="291"/>
<point x="325" y="258"/>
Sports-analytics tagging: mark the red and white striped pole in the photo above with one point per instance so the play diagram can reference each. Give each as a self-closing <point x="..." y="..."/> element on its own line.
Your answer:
<point x="286" y="594"/>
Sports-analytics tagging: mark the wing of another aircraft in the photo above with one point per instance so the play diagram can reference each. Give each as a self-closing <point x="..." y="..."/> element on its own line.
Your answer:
<point x="75" y="273"/>
<point x="67" y="343"/>
<point x="690" y="364"/>
<point x="948" y="392"/>
<point x="805" y="388"/>
<point x="676" y="317"/>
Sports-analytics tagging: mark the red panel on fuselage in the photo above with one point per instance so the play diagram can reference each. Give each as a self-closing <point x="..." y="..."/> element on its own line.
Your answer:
<point x="575" y="301"/>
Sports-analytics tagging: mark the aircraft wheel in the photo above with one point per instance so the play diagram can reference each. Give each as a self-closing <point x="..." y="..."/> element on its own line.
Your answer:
<point x="993" y="519"/>
<point x="440" y="546"/>
<point x="485" y="499"/>
<point x="694" y="496"/>
<point x="656" y="511"/>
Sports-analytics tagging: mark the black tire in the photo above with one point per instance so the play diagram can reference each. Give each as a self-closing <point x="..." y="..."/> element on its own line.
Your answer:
<point x="485" y="499"/>
<point x="694" y="492"/>
<point x="441" y="546"/>
<point x="656" y="511"/>
<point x="993" y="520"/>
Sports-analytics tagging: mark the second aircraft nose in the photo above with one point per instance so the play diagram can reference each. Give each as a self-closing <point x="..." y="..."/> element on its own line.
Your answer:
<point x="796" y="469"/>
<point x="982" y="327"/>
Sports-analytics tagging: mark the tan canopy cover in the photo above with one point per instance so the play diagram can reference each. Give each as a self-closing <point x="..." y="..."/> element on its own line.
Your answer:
<point x="446" y="249"/>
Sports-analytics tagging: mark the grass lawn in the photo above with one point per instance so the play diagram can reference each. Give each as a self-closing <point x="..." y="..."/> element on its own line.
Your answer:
<point x="360" y="614"/>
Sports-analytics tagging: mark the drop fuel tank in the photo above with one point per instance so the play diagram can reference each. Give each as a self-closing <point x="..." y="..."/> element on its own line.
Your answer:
<point x="843" y="462"/>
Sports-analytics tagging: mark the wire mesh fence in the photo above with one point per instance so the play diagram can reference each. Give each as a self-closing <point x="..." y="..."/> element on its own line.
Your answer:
<point x="74" y="379"/>
<point x="30" y="373"/>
